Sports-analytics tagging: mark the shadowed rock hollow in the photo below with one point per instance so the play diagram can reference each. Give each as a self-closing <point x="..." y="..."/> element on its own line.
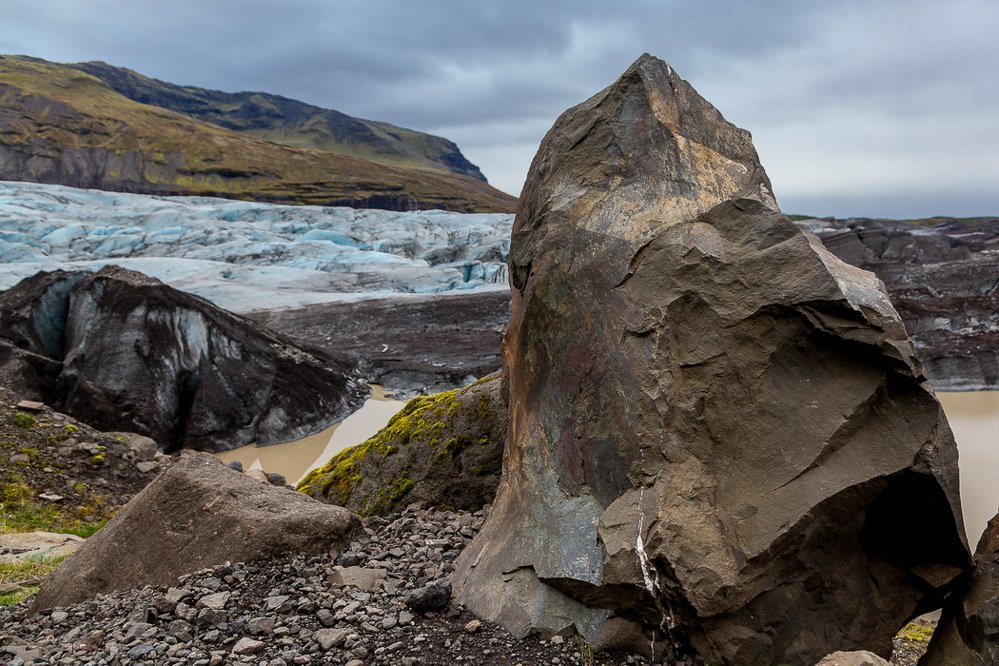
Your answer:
<point x="720" y="438"/>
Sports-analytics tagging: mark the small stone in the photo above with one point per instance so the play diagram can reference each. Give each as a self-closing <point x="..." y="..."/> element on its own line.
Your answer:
<point x="277" y="604"/>
<point x="236" y="465"/>
<point x="247" y="645"/>
<point x="140" y="651"/>
<point x="364" y="578"/>
<point x="215" y="601"/>
<point x="146" y="466"/>
<point x="473" y="627"/>
<point x="330" y="638"/>
<point x="405" y="618"/>
<point x="257" y="474"/>
<point x="208" y="617"/>
<point x="325" y="617"/>
<point x="163" y="604"/>
<point x="211" y="583"/>
<point x="556" y="639"/>
<point x="433" y="597"/>
<point x="348" y="559"/>
<point x="260" y="625"/>
<point x="355" y="662"/>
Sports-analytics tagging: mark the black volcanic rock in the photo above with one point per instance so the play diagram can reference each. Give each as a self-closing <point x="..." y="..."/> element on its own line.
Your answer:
<point x="135" y="354"/>
<point x="720" y="436"/>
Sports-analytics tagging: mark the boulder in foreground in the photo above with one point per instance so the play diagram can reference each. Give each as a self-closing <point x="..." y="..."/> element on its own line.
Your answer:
<point x="441" y="450"/>
<point x="197" y="514"/>
<point x="721" y="441"/>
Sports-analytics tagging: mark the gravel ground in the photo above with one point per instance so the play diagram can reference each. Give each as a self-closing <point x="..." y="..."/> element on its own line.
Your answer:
<point x="295" y="611"/>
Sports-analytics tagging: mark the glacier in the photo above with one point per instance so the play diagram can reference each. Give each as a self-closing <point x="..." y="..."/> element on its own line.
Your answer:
<point x="247" y="256"/>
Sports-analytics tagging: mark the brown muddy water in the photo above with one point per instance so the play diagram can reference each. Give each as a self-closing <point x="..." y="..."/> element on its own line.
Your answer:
<point x="295" y="459"/>
<point x="973" y="416"/>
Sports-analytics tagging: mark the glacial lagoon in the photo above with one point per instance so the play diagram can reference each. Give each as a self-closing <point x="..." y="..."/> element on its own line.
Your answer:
<point x="295" y="459"/>
<point x="974" y="418"/>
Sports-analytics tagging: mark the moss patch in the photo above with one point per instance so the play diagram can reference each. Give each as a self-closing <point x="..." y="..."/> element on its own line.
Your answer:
<point x="395" y="465"/>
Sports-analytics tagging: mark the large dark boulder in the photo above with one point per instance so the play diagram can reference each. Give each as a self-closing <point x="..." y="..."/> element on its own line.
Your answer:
<point x="198" y="513"/>
<point x="720" y="438"/>
<point x="442" y="450"/>
<point x="968" y="632"/>
<point x="137" y="355"/>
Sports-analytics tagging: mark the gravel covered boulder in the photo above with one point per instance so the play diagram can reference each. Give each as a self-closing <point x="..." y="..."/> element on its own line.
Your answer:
<point x="720" y="435"/>
<point x="198" y="513"/>
<point x="441" y="450"/>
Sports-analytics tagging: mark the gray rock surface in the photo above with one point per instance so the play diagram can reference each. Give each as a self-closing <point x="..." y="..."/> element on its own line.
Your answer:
<point x="137" y="355"/>
<point x="720" y="434"/>
<point x="862" y="658"/>
<point x="968" y="631"/>
<point x="195" y="514"/>
<point x="21" y="546"/>
<point x="411" y="343"/>
<point x="441" y="450"/>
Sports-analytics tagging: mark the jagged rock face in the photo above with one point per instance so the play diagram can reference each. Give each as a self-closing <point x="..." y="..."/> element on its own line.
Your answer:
<point x="198" y="513"/>
<point x="719" y="433"/>
<point x="138" y="355"/>
<point x="444" y="449"/>
<point x="968" y="632"/>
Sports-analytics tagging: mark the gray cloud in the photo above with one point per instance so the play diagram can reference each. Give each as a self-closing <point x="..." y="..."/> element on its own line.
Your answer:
<point x="848" y="101"/>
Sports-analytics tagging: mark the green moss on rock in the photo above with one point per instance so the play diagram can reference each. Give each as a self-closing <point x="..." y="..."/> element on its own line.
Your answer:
<point x="392" y="467"/>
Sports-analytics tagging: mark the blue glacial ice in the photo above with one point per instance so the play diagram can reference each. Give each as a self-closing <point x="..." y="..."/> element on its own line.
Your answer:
<point x="249" y="256"/>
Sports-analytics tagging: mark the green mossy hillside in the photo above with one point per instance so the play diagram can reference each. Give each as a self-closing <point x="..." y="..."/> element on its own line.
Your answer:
<point x="443" y="449"/>
<point x="63" y="126"/>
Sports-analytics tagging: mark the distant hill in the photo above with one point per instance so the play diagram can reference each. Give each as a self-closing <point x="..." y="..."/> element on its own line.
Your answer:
<point x="290" y="122"/>
<point x="62" y="125"/>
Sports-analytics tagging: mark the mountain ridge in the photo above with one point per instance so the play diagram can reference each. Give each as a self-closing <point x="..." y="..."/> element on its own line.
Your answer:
<point x="60" y="125"/>
<point x="288" y="121"/>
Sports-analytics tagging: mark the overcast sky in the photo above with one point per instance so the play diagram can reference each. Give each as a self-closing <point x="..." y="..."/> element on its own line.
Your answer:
<point x="876" y="108"/>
